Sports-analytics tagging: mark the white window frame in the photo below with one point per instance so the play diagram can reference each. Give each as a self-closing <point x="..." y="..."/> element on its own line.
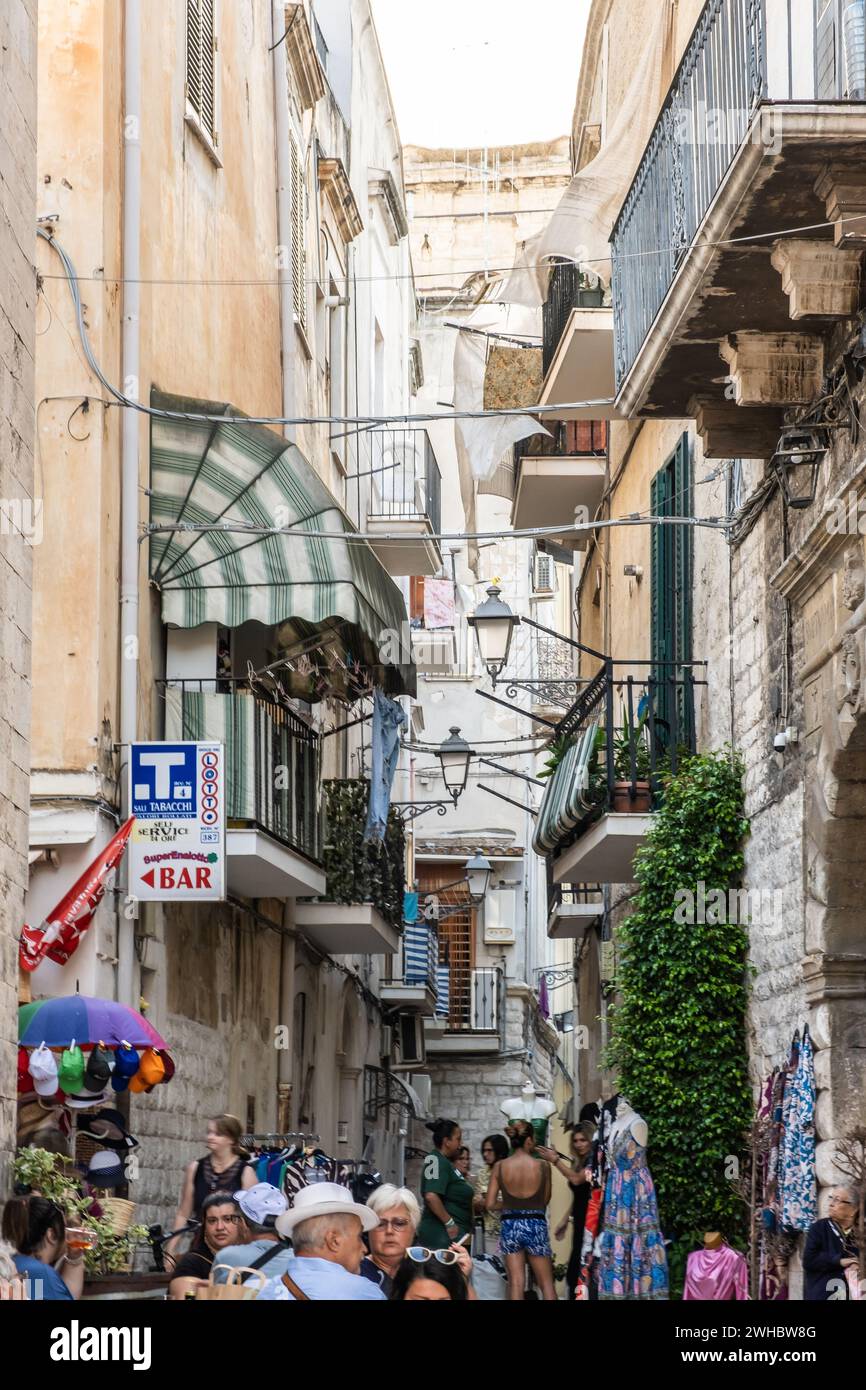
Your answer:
<point x="192" y="116"/>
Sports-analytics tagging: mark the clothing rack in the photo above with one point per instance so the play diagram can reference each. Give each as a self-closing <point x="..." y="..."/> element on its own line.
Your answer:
<point x="281" y="1141"/>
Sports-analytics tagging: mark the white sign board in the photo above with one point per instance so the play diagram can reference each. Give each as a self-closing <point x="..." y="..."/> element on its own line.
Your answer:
<point x="177" y="846"/>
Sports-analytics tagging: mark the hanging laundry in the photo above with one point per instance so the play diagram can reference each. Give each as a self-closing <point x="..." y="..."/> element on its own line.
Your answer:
<point x="438" y="603"/>
<point x="388" y="720"/>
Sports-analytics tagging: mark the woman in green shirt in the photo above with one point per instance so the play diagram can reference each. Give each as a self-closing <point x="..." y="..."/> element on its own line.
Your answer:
<point x="446" y="1195"/>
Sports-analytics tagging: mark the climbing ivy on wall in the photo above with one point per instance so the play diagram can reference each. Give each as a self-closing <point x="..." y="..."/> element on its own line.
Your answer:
<point x="359" y="872"/>
<point x="678" y="1037"/>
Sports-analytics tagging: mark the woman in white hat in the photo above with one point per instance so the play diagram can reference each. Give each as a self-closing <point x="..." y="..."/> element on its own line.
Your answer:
<point x="325" y="1227"/>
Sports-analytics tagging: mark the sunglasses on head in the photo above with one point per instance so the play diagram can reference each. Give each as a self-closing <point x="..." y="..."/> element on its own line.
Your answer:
<point x="420" y="1254"/>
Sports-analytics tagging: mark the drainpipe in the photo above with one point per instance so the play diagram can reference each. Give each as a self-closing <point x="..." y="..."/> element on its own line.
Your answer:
<point x="129" y="444"/>
<point x="284" y="216"/>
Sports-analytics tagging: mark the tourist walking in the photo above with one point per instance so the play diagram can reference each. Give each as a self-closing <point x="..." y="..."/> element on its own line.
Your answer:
<point x="831" y="1252"/>
<point x="225" y="1168"/>
<point x="399" y="1214"/>
<point x="524" y="1184"/>
<point x="577" y="1175"/>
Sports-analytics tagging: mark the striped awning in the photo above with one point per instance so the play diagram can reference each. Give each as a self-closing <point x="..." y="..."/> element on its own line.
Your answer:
<point x="566" y="798"/>
<point x="207" y="472"/>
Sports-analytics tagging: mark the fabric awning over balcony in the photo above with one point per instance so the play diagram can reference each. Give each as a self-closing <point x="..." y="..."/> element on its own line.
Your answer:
<point x="207" y="472"/>
<point x="566" y="801"/>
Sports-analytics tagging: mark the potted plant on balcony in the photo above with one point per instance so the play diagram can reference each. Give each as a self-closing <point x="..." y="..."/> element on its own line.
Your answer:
<point x="631" y="793"/>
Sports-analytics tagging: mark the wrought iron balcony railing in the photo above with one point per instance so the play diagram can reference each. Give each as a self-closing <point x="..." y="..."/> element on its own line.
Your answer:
<point x="406" y="481"/>
<point x="271" y="756"/>
<point x="721" y="82"/>
<point x="568" y="289"/>
<point x="615" y="744"/>
<point x="471" y="999"/>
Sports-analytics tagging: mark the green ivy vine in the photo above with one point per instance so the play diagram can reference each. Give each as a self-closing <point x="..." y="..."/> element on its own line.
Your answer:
<point x="357" y="872"/>
<point x="678" y="1027"/>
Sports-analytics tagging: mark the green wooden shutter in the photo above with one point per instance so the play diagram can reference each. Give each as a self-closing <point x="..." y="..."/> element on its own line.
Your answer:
<point x="671" y="594"/>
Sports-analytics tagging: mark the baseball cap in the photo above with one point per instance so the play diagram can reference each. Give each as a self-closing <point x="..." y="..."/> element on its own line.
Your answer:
<point x="43" y="1069"/>
<point x="70" y="1073"/>
<point x="125" y="1066"/>
<point x="150" y="1072"/>
<point x="25" y="1080"/>
<point x="97" y="1073"/>
<point x="261" y="1201"/>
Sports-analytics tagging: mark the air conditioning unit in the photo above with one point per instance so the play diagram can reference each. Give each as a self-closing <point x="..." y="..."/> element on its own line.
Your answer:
<point x="543" y="574"/>
<point x="386" y="1040"/>
<point x="409" y="1041"/>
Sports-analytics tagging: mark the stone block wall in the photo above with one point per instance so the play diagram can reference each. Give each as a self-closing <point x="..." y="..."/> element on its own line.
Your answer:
<point x="17" y="515"/>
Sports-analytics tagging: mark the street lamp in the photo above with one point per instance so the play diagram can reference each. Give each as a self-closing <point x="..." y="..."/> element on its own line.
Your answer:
<point x="494" y="623"/>
<point x="478" y="871"/>
<point x="454" y="754"/>
<point x="799" y="450"/>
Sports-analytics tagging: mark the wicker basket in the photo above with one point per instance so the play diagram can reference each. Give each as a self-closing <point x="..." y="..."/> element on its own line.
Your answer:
<point x="119" y="1212"/>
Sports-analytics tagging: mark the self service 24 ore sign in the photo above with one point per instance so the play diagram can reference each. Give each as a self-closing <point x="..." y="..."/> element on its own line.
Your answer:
<point x="177" y="846"/>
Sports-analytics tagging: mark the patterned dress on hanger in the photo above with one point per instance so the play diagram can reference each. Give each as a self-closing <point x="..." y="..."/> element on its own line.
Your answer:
<point x="633" y="1263"/>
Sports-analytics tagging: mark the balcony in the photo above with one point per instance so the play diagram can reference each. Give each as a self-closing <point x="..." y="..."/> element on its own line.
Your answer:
<point x="412" y="986"/>
<point x="360" y="911"/>
<point x="763" y="129"/>
<point x="470" y="1013"/>
<point x="405" y="499"/>
<point x="620" y="737"/>
<point x="572" y="910"/>
<point x="577" y="345"/>
<point x="273" y="838"/>
<point x="565" y="476"/>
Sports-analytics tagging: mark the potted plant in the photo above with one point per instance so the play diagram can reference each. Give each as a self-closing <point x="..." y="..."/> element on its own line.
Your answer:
<point x="631" y="792"/>
<point x="112" y="1240"/>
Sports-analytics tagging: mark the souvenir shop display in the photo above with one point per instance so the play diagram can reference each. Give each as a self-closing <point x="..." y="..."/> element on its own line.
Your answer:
<point x="293" y="1161"/>
<point x="75" y="1051"/>
<point x="717" y="1272"/>
<point x="632" y="1259"/>
<point x="783" y="1157"/>
<point x="531" y="1105"/>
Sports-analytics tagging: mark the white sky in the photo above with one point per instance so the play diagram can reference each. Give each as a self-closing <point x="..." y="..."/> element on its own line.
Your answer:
<point x="474" y="72"/>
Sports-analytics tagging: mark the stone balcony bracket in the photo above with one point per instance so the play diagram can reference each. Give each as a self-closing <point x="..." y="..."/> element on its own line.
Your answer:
<point x="831" y="977"/>
<point x="781" y="369"/>
<point x="820" y="280"/>
<point x="845" y="201"/>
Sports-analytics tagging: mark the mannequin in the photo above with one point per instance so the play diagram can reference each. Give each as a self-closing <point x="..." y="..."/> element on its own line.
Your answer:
<point x="627" y="1119"/>
<point x="531" y="1105"/>
<point x="717" y="1273"/>
<point x="632" y="1260"/>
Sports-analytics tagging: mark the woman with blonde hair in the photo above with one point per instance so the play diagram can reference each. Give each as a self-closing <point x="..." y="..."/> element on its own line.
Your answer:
<point x="225" y="1168"/>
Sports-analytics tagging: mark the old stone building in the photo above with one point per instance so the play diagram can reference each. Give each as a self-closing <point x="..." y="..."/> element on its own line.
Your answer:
<point x="22" y="524"/>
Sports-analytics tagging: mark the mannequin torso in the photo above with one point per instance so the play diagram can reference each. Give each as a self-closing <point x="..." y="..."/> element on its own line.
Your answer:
<point x="628" y="1119"/>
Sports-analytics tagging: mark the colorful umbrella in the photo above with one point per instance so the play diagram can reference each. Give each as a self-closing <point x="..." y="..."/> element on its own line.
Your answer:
<point x="89" y="1021"/>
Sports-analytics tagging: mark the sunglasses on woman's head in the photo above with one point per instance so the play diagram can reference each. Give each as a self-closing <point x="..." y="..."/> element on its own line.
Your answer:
<point x="420" y="1254"/>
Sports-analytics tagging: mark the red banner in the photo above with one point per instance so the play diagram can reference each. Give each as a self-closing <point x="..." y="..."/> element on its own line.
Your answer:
<point x="60" y="933"/>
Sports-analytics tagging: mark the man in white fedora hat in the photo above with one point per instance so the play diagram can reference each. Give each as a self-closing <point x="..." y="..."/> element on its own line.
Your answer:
<point x="324" y="1226"/>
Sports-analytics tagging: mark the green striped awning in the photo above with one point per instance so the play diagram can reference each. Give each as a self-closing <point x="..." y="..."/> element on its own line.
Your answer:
<point x="566" y="798"/>
<point x="205" y="472"/>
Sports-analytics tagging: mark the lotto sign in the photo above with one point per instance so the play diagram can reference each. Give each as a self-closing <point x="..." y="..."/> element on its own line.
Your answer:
<point x="177" y="846"/>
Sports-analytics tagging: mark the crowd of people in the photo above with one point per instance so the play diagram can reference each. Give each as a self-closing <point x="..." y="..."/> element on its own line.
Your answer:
<point x="326" y="1245"/>
<point x="395" y="1246"/>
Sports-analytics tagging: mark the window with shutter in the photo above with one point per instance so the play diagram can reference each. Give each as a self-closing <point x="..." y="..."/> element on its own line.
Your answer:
<point x="826" y="68"/>
<point x="299" y="237"/>
<point x="671" y="596"/>
<point x="201" y="66"/>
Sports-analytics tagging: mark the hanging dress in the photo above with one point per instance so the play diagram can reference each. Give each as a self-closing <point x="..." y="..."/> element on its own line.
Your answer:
<point x="799" y="1197"/>
<point x="633" y="1263"/>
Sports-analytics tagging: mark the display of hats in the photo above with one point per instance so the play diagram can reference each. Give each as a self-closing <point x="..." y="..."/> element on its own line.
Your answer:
<point x="109" y="1127"/>
<point x="150" y="1072"/>
<point x="70" y="1073"/>
<point x="25" y="1080"/>
<point x="126" y="1061"/>
<point x="43" y="1069"/>
<point x="105" y="1169"/>
<point x="85" y="1100"/>
<point x="97" y="1073"/>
